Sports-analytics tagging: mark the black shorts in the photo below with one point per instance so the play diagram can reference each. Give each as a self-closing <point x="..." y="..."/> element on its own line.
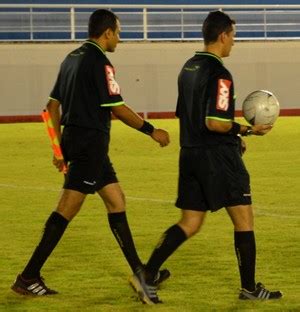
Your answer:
<point x="86" y="152"/>
<point x="211" y="178"/>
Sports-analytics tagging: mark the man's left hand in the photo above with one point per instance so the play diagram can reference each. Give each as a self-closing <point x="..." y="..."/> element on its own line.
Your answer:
<point x="161" y="136"/>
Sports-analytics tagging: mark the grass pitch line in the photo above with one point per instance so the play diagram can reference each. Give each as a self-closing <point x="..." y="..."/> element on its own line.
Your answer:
<point x="256" y="211"/>
<point x="155" y="200"/>
<point x="28" y="188"/>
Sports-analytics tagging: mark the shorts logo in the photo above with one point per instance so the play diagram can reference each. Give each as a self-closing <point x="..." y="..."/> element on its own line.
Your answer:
<point x="89" y="182"/>
<point x="113" y="87"/>
<point x="223" y="94"/>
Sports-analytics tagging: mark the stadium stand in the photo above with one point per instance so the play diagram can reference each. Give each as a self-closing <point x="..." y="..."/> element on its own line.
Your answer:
<point x="147" y="20"/>
<point x="35" y="36"/>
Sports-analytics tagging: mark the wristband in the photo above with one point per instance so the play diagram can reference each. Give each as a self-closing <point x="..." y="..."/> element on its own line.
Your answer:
<point x="249" y="131"/>
<point x="146" y="128"/>
<point x="235" y="129"/>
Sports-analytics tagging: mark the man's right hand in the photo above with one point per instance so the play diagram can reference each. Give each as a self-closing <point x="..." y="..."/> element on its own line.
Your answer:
<point x="261" y="129"/>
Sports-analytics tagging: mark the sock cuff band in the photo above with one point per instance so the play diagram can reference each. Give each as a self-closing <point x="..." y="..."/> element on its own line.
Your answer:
<point x="117" y="217"/>
<point x="241" y="237"/>
<point x="177" y="231"/>
<point x="56" y="218"/>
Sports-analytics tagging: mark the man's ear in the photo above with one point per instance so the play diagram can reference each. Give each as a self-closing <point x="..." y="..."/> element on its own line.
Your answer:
<point x="108" y="33"/>
<point x="223" y="36"/>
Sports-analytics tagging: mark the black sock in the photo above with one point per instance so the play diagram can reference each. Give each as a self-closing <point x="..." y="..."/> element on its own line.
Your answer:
<point x="120" y="228"/>
<point x="168" y="243"/>
<point x="245" y="249"/>
<point x="54" y="229"/>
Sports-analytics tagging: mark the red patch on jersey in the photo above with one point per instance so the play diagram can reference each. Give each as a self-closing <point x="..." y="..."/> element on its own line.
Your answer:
<point x="113" y="87"/>
<point x="223" y="94"/>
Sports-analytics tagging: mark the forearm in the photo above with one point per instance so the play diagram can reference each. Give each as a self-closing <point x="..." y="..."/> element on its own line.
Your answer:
<point x="235" y="128"/>
<point x="132" y="119"/>
<point x="128" y="116"/>
<point x="229" y="127"/>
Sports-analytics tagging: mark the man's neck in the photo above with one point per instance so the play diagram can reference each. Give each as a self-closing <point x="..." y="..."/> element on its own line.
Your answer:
<point x="100" y="43"/>
<point x="214" y="49"/>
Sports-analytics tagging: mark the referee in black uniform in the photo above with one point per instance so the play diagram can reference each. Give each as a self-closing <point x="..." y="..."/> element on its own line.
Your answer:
<point x="87" y="92"/>
<point x="212" y="174"/>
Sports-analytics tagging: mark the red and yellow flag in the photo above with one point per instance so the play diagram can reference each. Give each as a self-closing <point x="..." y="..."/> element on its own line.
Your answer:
<point x="53" y="137"/>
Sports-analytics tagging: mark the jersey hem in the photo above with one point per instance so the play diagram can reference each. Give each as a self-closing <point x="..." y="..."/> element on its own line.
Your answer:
<point x="112" y="104"/>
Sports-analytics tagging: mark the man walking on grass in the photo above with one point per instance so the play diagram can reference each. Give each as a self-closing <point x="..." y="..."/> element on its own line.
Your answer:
<point x="212" y="174"/>
<point x="87" y="93"/>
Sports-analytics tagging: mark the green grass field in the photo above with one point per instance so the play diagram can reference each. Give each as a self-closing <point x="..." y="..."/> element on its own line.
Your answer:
<point x="87" y="267"/>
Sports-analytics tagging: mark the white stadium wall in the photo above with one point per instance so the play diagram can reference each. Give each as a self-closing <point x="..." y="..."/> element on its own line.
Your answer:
<point x="147" y="74"/>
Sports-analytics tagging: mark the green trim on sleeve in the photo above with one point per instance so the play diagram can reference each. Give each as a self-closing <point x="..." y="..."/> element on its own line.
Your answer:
<point x="113" y="104"/>
<point x="52" y="98"/>
<point x="218" y="118"/>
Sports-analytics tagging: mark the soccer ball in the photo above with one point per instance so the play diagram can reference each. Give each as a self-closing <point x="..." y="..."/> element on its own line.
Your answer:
<point x="261" y="107"/>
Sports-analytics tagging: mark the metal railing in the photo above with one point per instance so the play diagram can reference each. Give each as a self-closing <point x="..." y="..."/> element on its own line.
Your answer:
<point x="52" y="22"/>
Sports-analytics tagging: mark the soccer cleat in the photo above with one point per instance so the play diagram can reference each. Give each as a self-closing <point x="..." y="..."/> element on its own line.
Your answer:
<point x="33" y="287"/>
<point x="161" y="276"/>
<point x="260" y="293"/>
<point x="146" y="292"/>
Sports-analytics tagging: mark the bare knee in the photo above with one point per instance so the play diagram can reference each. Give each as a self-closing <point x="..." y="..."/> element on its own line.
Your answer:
<point x="241" y="217"/>
<point x="191" y="222"/>
<point x="70" y="203"/>
<point x="113" y="198"/>
<point x="114" y="205"/>
<point x="190" y="229"/>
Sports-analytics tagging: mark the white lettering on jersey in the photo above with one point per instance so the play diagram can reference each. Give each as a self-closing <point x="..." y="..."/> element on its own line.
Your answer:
<point x="113" y="87"/>
<point x="223" y="94"/>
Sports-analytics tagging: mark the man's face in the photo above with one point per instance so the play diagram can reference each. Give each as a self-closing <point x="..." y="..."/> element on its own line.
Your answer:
<point x="114" y="38"/>
<point x="228" y="41"/>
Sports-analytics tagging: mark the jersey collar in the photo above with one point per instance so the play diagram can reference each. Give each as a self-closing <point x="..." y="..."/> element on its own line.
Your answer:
<point x="210" y="54"/>
<point x="95" y="44"/>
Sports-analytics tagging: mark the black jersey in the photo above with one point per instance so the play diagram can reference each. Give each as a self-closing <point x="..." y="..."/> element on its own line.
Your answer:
<point x="205" y="90"/>
<point x="86" y="88"/>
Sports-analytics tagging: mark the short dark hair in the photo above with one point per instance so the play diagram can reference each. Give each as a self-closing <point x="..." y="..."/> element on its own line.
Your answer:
<point x="100" y="21"/>
<point x="215" y="23"/>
